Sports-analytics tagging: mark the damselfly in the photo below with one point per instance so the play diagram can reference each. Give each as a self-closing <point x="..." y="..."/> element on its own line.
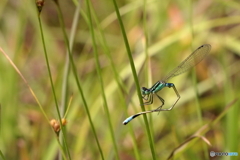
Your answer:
<point x="147" y="93"/>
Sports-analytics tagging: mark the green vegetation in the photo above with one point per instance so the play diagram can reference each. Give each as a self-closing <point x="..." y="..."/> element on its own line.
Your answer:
<point x="71" y="72"/>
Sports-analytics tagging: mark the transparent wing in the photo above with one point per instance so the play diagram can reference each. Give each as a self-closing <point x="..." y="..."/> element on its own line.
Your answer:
<point x="193" y="59"/>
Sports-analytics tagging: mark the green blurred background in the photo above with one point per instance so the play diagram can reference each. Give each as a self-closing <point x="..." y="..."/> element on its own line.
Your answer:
<point x="160" y="34"/>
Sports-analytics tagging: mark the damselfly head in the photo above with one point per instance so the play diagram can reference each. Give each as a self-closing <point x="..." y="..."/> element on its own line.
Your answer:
<point x="145" y="91"/>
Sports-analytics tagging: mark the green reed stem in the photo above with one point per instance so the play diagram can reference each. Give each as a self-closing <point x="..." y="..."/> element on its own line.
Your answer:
<point x="77" y="80"/>
<point x="52" y="86"/>
<point x="135" y="78"/>
<point x="101" y="80"/>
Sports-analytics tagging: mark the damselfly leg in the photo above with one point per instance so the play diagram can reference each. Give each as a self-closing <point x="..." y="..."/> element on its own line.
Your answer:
<point x="162" y="100"/>
<point x="148" y="100"/>
<point x="170" y="85"/>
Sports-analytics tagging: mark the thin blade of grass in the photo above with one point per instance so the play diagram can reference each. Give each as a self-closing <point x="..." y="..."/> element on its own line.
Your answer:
<point x="77" y="80"/>
<point x="105" y="104"/>
<point x="198" y="134"/>
<point x="135" y="79"/>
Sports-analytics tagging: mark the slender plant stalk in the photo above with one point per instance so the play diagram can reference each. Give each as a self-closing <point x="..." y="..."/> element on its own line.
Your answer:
<point x="135" y="79"/>
<point x="1" y="155"/>
<point x="147" y="59"/>
<point x="194" y="77"/>
<point x="0" y="119"/>
<point x="77" y="80"/>
<point x="116" y="74"/>
<point x="199" y="114"/>
<point x="232" y="117"/>
<point x="52" y="86"/>
<point x="119" y="83"/>
<point x="32" y="92"/>
<point x="25" y="81"/>
<point x="101" y="80"/>
<point x="67" y="64"/>
<point x="203" y="130"/>
<point x="107" y="52"/>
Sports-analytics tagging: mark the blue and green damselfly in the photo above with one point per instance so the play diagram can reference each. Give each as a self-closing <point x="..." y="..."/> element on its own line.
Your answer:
<point x="147" y="93"/>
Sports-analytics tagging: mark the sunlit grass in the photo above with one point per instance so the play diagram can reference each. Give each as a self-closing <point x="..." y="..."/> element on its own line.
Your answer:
<point x="100" y="58"/>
